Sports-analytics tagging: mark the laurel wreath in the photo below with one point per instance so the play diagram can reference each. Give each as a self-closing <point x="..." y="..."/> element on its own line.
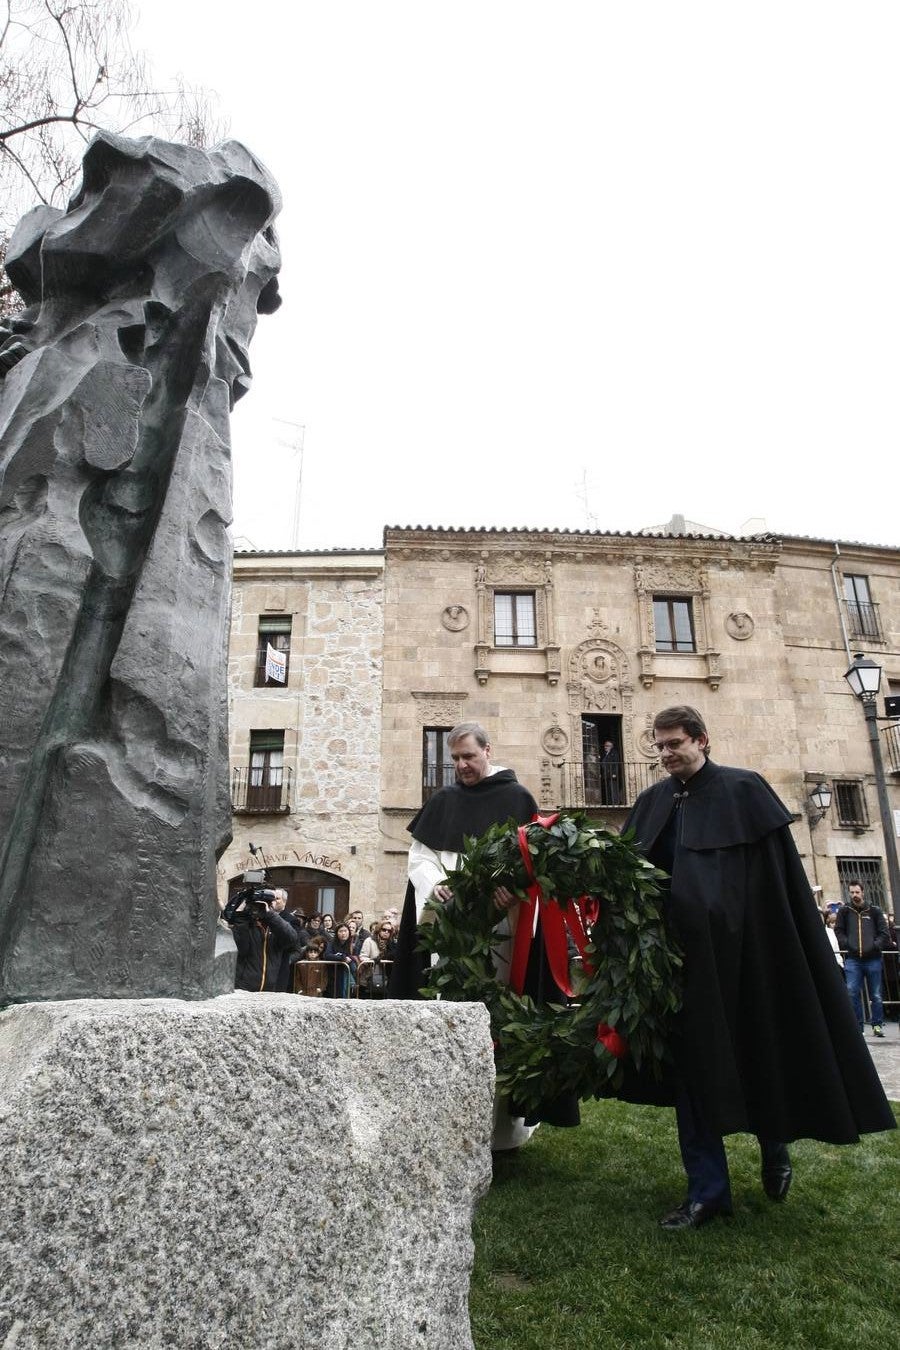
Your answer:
<point x="630" y="983"/>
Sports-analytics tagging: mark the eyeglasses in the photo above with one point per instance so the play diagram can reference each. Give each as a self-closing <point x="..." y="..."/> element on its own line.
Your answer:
<point x="675" y="744"/>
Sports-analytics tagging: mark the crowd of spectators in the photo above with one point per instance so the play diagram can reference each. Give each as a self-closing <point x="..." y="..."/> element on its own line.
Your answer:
<point x="287" y="951"/>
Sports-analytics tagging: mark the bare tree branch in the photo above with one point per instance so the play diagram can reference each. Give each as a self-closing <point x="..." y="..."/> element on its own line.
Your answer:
<point x="67" y="70"/>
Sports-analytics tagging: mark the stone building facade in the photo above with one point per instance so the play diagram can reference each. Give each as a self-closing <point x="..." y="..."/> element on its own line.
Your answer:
<point x="305" y="751"/>
<point x="561" y="643"/>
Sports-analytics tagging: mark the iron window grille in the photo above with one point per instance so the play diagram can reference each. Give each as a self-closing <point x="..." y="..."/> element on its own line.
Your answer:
<point x="850" y="801"/>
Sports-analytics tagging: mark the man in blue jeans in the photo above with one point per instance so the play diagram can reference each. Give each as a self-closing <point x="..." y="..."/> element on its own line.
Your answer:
<point x="862" y="934"/>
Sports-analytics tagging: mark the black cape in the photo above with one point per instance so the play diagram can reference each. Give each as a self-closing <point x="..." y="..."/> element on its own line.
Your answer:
<point x="457" y="811"/>
<point x="446" y="819"/>
<point x="766" y="1037"/>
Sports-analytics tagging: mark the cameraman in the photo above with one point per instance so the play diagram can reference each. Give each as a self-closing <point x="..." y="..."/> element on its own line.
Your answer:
<point x="264" y="940"/>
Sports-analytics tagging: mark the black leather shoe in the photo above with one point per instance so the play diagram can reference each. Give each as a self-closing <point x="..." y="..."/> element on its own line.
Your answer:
<point x="693" y="1214"/>
<point x="777" y="1180"/>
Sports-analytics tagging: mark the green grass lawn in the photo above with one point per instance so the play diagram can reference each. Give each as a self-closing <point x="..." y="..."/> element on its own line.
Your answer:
<point x="569" y="1254"/>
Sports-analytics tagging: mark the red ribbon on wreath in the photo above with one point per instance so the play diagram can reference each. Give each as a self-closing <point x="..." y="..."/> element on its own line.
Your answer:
<point x="615" y="1044"/>
<point x="555" y="919"/>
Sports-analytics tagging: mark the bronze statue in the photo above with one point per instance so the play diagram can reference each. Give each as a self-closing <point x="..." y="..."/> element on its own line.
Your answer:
<point x="116" y="384"/>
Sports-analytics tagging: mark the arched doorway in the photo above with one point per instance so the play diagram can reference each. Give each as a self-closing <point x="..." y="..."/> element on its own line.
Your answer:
<point x="309" y="889"/>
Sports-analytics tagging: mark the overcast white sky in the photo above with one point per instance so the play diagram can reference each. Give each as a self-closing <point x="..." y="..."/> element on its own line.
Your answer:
<point x="574" y="263"/>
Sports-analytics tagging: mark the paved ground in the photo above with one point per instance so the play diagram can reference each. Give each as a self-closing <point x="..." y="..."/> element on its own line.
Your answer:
<point x="886" y="1055"/>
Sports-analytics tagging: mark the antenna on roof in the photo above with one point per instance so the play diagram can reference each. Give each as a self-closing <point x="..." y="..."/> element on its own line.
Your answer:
<point x="590" y="520"/>
<point x="297" y="444"/>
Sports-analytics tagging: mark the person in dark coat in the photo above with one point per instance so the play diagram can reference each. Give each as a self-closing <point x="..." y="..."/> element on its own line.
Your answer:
<point x="265" y="941"/>
<point x="766" y="1040"/>
<point x="340" y="952"/>
<point x="862" y="933"/>
<point x="610" y="787"/>
<point x="483" y="795"/>
<point x="315" y="928"/>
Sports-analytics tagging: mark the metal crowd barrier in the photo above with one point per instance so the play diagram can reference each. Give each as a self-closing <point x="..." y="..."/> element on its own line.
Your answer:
<point x="890" y="982"/>
<point x="336" y="979"/>
<point x="890" y="979"/>
<point x="324" y="979"/>
<point x="372" y="977"/>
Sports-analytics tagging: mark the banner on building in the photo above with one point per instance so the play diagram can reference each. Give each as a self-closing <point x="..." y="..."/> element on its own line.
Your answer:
<point x="276" y="664"/>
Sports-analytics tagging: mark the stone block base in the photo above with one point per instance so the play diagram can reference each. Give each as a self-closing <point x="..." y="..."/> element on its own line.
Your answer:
<point x="250" y="1171"/>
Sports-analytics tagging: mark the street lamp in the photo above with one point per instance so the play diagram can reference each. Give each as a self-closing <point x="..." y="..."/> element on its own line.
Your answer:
<point x="864" y="678"/>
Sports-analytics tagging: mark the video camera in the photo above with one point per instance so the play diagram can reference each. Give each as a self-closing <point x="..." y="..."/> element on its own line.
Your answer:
<point x="257" y="896"/>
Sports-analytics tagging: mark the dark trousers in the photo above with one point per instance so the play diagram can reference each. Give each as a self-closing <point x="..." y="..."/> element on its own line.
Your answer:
<point x="703" y="1155"/>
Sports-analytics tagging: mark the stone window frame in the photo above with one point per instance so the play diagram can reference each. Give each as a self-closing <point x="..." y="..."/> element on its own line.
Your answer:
<point x="861" y="610"/>
<point x="670" y="600"/>
<point x="280" y="639"/>
<point x="676" y="579"/>
<point x="433" y="709"/>
<point x="519" y="576"/>
<point x="266" y="761"/>
<point x="850" y="805"/>
<point x="514" y="593"/>
<point x="441" y="762"/>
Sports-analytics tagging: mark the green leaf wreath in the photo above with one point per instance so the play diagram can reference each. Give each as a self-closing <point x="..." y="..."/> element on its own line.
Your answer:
<point x="625" y="994"/>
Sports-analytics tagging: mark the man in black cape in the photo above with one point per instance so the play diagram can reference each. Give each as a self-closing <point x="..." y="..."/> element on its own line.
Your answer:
<point x="766" y="1040"/>
<point x="483" y="795"/>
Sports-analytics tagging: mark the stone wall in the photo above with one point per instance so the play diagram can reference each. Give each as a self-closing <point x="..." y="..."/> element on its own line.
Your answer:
<point x="329" y="711"/>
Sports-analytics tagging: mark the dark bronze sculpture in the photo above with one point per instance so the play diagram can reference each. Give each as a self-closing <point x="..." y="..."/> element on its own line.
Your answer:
<point x="116" y="385"/>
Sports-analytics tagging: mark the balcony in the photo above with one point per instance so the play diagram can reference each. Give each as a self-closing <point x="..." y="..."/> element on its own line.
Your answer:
<point x="435" y="777"/>
<point x="257" y="792"/>
<point x="863" y="620"/>
<point x="890" y="745"/>
<point x="590" y="783"/>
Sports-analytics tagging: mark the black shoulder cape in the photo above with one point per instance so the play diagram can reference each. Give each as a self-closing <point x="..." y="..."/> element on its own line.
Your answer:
<point x="766" y="1037"/>
<point x="457" y="811"/>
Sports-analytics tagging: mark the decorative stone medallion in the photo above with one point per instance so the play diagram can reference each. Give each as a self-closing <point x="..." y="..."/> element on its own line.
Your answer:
<point x="739" y="626"/>
<point x="555" y="741"/>
<point x="455" y="618"/>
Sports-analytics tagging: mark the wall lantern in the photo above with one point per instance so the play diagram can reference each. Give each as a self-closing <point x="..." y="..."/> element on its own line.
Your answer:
<point x="819" y="803"/>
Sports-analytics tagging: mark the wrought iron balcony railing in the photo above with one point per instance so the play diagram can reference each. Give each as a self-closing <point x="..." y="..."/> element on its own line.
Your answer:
<point x="435" y="777"/>
<point x="590" y="782"/>
<point x="261" y="792"/>
<point x="863" y="620"/>
<point x="890" y="741"/>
